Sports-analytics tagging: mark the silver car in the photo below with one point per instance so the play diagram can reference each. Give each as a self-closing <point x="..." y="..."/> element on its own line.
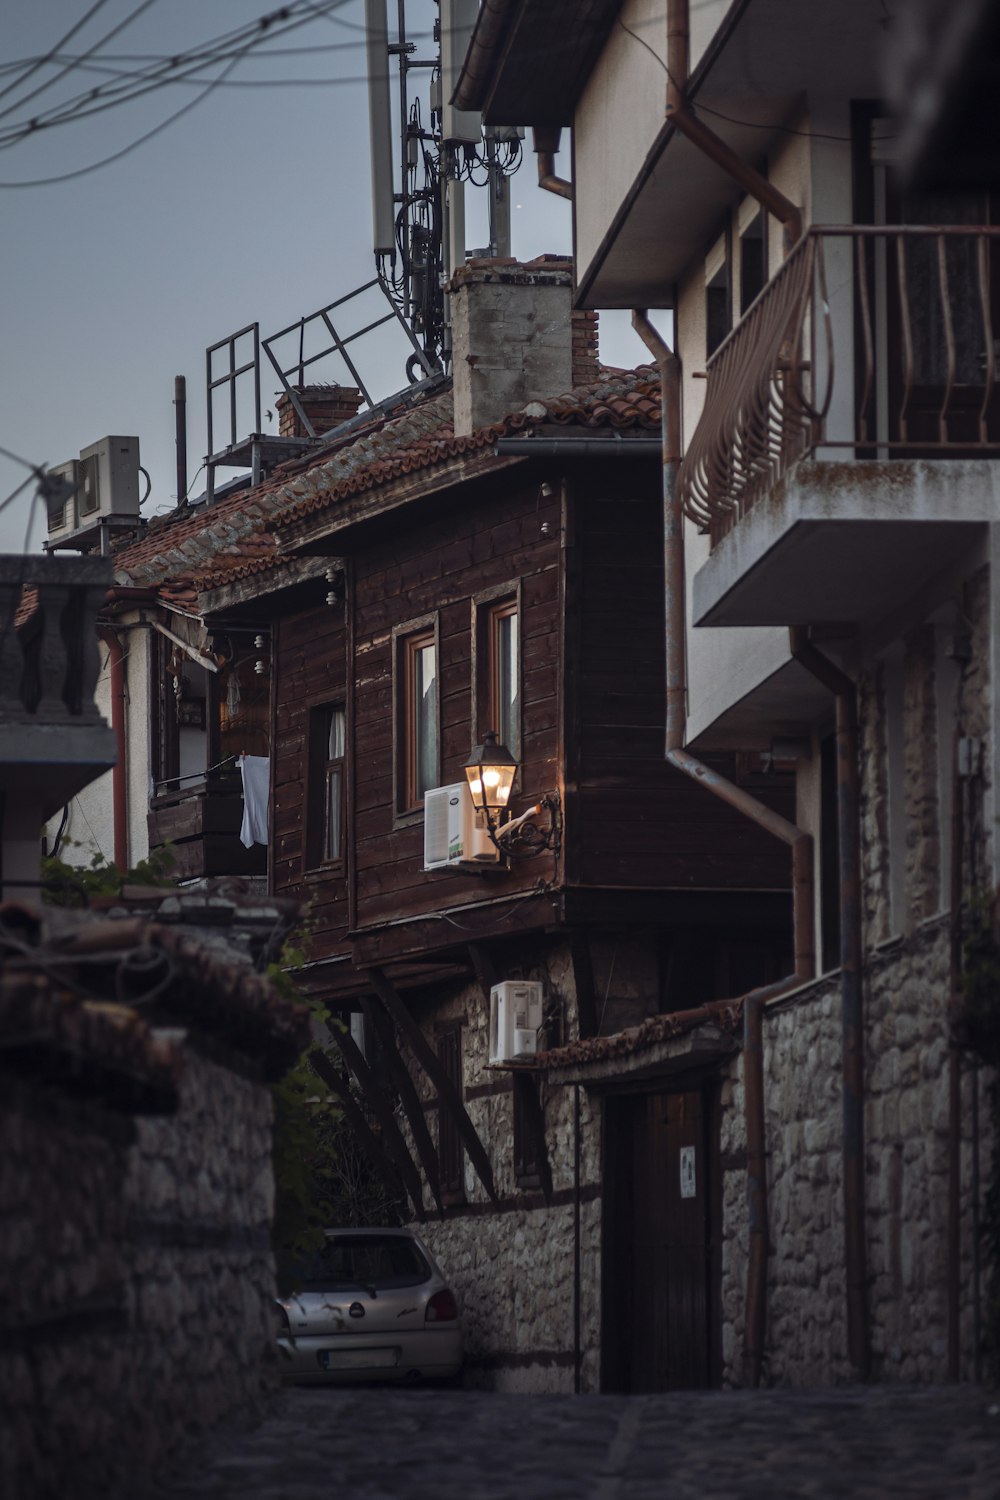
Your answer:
<point x="370" y="1305"/>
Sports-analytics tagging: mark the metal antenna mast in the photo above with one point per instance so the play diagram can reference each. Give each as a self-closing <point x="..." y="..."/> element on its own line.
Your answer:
<point x="418" y="202"/>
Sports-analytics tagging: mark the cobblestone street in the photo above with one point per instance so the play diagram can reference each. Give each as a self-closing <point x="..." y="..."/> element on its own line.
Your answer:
<point x="431" y="1445"/>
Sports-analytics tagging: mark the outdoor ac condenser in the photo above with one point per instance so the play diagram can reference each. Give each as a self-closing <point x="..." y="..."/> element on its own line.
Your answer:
<point x="108" y="479"/>
<point x="515" y="1019"/>
<point x="63" y="520"/>
<point x="452" y="833"/>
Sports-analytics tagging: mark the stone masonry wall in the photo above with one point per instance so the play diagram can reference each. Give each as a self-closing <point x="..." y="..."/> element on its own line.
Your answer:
<point x="512" y="1269"/>
<point x="907" y="988"/>
<point x="137" y="1262"/>
<point x="906" y="1125"/>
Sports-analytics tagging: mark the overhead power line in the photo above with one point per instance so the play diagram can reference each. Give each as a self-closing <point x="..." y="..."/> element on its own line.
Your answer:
<point x="213" y="54"/>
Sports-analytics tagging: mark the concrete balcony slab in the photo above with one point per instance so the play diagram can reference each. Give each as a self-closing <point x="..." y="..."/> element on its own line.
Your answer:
<point x="844" y="543"/>
<point x="50" y="763"/>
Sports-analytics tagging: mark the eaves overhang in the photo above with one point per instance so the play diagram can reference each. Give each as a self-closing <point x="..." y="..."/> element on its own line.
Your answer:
<point x="327" y="527"/>
<point x="250" y="588"/>
<point x="770" y="72"/>
<point x="528" y="60"/>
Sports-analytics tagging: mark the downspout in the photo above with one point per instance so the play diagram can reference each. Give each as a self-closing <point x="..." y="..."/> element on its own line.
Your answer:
<point x="772" y="822"/>
<point x="679" y="115"/>
<point x="546" y="145"/>
<point x="852" y="1006"/>
<point x="119" y="794"/>
<point x="955" y="1073"/>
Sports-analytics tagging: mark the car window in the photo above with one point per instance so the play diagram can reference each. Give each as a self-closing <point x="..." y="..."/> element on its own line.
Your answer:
<point x="380" y="1261"/>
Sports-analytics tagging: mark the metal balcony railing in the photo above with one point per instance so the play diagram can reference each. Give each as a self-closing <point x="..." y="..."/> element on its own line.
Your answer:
<point x="870" y="342"/>
<point x="49" y="656"/>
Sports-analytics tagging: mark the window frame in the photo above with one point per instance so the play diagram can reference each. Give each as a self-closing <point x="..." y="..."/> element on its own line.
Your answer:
<point x="318" y="766"/>
<point x="488" y="607"/>
<point x="407" y="640"/>
<point x="718" y="280"/>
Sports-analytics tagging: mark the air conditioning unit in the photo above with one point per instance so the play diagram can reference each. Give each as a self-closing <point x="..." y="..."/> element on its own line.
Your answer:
<point x="108" y="479"/>
<point x="453" y="834"/>
<point x="515" y="1019"/>
<point x="63" y="520"/>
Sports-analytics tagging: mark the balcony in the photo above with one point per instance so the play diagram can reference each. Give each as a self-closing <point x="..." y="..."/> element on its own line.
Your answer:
<point x="53" y="738"/>
<point x="201" y="823"/>
<point x="846" y="451"/>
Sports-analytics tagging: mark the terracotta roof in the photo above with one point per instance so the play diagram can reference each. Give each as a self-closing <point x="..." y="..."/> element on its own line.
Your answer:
<point x="622" y="400"/>
<point x="728" y="1017"/>
<point x="52" y="1034"/>
<point x="71" y="981"/>
<point x="190" y="551"/>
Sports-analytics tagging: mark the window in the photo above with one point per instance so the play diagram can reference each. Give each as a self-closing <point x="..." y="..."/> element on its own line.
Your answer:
<point x="325" y="794"/>
<point x="753" y="253"/>
<point x="418" y="753"/>
<point x="717" y="306"/>
<point x="451" y="1158"/>
<point x="503" y="674"/>
<point x="496" y="622"/>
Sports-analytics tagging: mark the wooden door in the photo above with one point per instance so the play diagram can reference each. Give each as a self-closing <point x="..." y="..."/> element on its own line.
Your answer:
<point x="656" y="1283"/>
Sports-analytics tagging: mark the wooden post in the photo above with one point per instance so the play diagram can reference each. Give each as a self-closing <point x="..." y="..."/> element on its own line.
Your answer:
<point x="394" y="1143"/>
<point x="408" y="1097"/>
<point x="428" y="1060"/>
<point x="338" y="1084"/>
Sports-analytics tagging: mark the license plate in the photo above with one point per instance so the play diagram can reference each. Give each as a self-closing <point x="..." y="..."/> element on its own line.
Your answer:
<point x="358" y="1359"/>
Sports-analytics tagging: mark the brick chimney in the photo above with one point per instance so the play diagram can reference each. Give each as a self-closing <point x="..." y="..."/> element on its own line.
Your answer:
<point x="584" y="352"/>
<point x="325" y="405"/>
<point x="512" y="339"/>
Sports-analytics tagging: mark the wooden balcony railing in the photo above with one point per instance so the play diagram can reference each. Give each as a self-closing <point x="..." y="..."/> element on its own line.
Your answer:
<point x="200" y="824"/>
<point x="870" y="342"/>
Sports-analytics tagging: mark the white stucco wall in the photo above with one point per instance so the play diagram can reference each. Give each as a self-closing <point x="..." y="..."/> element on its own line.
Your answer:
<point x="617" y="120"/>
<point x="811" y="166"/>
<point x="90" y="825"/>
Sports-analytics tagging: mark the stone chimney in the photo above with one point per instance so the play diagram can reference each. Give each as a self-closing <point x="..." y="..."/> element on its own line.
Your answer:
<point x="325" y="405"/>
<point x="512" y="336"/>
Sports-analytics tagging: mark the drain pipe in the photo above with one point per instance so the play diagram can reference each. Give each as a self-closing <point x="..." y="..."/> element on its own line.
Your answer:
<point x="546" y="144"/>
<point x="755" y="1313"/>
<point x="954" y="1276"/>
<point x="119" y="794"/>
<point x="852" y="1005"/>
<point x="678" y="112"/>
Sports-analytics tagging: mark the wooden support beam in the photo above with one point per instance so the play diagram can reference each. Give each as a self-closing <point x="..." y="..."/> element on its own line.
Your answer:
<point x="384" y="1031"/>
<point x="583" y="975"/>
<point x="485" y="968"/>
<point x="394" y="1143"/>
<point x="428" y="1060"/>
<point x="339" y="1084"/>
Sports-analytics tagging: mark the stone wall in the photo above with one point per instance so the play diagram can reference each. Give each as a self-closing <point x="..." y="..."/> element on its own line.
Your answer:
<point x="512" y="1267"/>
<point x="906" y="1139"/>
<point x="136" y="1259"/>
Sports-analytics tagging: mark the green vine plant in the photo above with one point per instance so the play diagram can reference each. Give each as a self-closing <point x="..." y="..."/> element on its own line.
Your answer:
<point x="322" y="1178"/>
<point x="977" y="1031"/>
<point x="64" y="884"/>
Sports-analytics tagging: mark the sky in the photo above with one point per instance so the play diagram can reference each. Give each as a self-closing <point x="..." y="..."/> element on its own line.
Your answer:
<point x="253" y="206"/>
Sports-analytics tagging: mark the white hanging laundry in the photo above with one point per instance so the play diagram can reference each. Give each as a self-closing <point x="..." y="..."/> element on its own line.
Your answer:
<point x="256" y="771"/>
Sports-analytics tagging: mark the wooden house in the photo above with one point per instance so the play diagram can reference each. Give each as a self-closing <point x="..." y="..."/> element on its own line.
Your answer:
<point x="489" y="558"/>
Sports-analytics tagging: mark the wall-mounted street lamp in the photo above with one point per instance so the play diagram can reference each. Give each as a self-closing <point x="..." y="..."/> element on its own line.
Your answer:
<point x="490" y="772"/>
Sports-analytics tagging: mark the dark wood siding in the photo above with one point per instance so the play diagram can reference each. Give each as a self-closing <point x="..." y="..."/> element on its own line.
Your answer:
<point x="310" y="665"/>
<point x="494" y="537"/>
<point x="634" y="820"/>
